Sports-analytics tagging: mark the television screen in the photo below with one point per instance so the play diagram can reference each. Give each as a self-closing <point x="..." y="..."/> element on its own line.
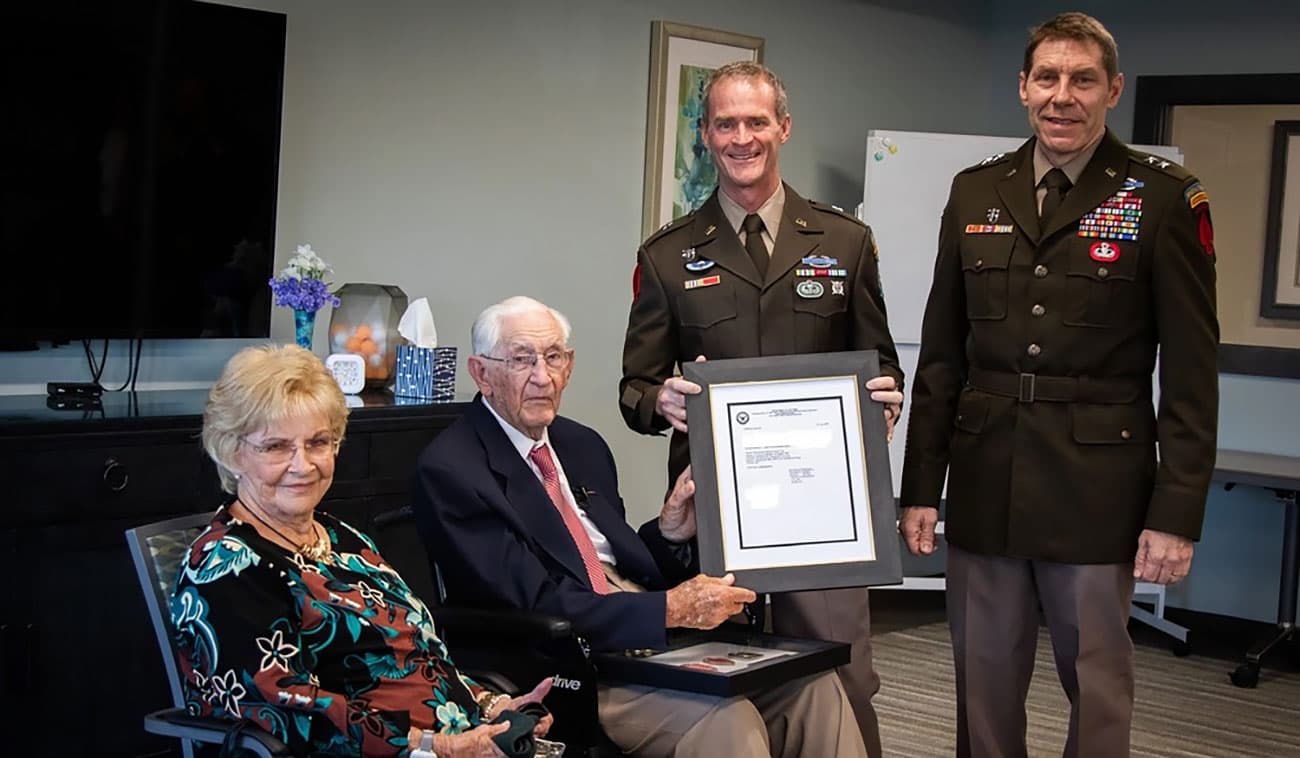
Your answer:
<point x="139" y="157"/>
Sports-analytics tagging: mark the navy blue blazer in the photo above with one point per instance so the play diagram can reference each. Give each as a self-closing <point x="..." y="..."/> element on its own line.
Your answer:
<point x="489" y="525"/>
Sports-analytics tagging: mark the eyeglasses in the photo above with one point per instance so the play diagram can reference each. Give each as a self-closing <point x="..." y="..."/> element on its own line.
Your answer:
<point x="521" y="363"/>
<point x="281" y="451"/>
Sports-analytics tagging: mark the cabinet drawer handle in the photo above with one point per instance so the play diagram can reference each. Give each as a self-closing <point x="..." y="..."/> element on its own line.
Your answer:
<point x="115" y="475"/>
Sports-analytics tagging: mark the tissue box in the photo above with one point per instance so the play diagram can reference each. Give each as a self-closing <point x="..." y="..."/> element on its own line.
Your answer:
<point x="428" y="373"/>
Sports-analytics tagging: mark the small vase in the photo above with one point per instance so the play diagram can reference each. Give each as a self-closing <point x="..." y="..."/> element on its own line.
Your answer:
<point x="304" y="326"/>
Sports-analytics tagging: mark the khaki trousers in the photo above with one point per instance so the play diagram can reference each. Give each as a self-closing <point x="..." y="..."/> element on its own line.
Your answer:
<point x="993" y="612"/>
<point x="808" y="717"/>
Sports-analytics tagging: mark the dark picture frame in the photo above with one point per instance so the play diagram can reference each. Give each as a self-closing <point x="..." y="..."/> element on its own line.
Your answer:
<point x="1283" y="210"/>
<point x="1152" y="123"/>
<point x="872" y="522"/>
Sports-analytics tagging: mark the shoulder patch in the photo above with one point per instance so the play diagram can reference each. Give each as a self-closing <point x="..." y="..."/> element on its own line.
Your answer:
<point x="676" y="223"/>
<point x="835" y="210"/>
<point x="1195" y="195"/>
<point x="992" y="160"/>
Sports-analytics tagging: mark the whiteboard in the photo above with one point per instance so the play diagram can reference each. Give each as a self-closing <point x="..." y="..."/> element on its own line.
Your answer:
<point x="907" y="180"/>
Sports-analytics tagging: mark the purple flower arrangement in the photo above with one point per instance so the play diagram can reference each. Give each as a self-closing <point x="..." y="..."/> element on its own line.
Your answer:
<point x="300" y="286"/>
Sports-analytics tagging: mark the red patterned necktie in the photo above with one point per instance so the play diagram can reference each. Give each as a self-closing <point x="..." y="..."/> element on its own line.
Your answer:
<point x="541" y="457"/>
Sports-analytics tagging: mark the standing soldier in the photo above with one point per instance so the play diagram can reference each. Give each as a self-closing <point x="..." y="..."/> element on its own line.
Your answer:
<point x="758" y="270"/>
<point x="1061" y="270"/>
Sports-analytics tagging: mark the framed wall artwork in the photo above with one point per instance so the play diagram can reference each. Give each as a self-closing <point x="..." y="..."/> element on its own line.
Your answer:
<point x="679" y="174"/>
<point x="1280" y="294"/>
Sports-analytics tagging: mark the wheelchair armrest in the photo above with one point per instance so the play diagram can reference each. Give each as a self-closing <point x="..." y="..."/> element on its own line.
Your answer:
<point x="509" y="624"/>
<point x="175" y="722"/>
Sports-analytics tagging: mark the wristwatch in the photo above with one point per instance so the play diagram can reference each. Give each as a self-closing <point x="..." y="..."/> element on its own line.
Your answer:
<point x="425" y="750"/>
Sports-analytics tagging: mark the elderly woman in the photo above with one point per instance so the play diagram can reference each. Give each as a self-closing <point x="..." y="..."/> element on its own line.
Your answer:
<point x="290" y="618"/>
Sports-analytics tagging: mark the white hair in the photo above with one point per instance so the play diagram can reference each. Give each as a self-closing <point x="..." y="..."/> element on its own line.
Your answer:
<point x="485" y="334"/>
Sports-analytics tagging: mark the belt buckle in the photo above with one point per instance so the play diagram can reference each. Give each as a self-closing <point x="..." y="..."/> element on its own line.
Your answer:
<point x="1027" y="382"/>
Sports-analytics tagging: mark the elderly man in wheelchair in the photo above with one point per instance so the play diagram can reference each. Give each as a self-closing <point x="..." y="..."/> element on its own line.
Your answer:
<point x="520" y="507"/>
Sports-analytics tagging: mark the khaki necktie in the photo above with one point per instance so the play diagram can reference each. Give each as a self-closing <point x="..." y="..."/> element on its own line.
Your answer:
<point x="1057" y="184"/>
<point x="753" y="226"/>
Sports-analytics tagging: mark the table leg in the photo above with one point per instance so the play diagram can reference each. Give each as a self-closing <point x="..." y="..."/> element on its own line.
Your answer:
<point x="1247" y="674"/>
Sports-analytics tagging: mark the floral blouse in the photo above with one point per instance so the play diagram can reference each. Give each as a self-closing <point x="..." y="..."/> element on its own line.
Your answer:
<point x="333" y="658"/>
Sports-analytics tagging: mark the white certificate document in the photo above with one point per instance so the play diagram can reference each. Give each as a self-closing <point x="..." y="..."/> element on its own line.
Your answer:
<point x="792" y="473"/>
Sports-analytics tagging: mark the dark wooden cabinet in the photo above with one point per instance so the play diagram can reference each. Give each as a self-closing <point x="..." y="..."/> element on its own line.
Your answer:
<point x="79" y="665"/>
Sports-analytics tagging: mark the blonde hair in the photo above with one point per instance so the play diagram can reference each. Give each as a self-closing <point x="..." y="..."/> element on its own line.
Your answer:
<point x="262" y="385"/>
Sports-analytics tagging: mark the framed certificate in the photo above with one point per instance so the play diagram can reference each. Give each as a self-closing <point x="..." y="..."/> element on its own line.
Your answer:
<point x="791" y="467"/>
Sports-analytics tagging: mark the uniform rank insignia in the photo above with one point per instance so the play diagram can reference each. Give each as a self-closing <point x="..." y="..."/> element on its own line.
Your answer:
<point x="990" y="228"/>
<point x="1118" y="218"/>
<point x="707" y="281"/>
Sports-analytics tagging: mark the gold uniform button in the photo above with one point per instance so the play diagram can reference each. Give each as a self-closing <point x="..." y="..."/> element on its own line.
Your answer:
<point x="1038" y="310"/>
<point x="979" y="263"/>
<point x="1103" y="272"/>
<point x="1125" y="434"/>
<point x="1040" y="271"/>
<point x="1034" y="350"/>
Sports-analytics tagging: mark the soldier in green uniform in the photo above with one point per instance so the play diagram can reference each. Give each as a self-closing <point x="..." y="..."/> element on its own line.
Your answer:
<point x="1061" y="269"/>
<point x="758" y="270"/>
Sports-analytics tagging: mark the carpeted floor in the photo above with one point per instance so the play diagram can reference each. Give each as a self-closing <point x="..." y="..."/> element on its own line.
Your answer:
<point x="1186" y="707"/>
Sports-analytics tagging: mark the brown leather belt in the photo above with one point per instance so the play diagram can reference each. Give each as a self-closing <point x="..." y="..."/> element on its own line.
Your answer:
<point x="1032" y="388"/>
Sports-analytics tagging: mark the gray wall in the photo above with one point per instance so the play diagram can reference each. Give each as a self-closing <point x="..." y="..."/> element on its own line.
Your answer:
<point x="471" y="151"/>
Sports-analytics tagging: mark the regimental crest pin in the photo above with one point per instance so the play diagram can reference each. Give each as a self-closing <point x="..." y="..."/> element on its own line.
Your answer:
<point x="837" y="287"/>
<point x="809" y="290"/>
<point x="993" y="214"/>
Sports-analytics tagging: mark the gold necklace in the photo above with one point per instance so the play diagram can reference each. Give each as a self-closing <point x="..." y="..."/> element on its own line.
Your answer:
<point x="318" y="551"/>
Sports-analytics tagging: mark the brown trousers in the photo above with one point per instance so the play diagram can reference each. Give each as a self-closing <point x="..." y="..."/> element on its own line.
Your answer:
<point x="993" y="611"/>
<point x="839" y="616"/>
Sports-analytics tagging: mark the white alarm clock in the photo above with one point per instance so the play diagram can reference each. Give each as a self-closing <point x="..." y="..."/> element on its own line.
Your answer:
<point x="349" y="371"/>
